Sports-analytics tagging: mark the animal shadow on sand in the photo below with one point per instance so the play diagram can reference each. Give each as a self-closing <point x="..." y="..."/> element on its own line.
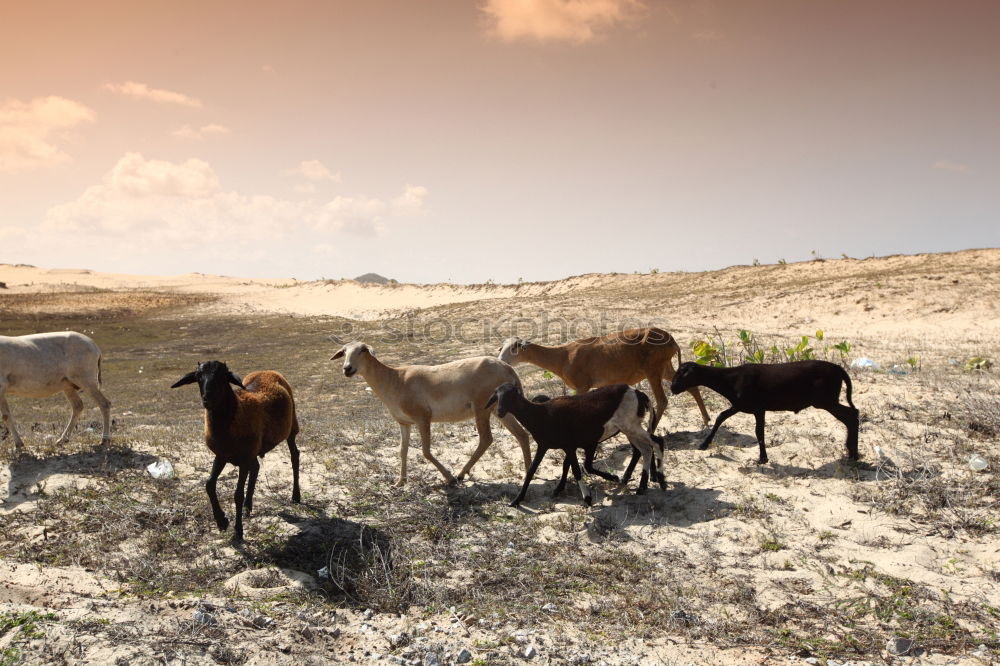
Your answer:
<point x="726" y="440"/>
<point x="359" y="559"/>
<point x="680" y="505"/>
<point x="26" y="474"/>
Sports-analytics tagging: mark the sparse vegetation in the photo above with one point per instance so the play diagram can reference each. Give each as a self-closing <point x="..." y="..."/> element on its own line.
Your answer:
<point x="728" y="556"/>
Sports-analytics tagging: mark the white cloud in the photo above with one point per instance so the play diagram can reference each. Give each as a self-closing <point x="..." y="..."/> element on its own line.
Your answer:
<point x="576" y="21"/>
<point x="315" y="171"/>
<point x="159" y="95"/>
<point x="29" y="131"/>
<point x="198" y="133"/>
<point x="948" y="165"/>
<point x="160" y="205"/>
<point x="411" y="200"/>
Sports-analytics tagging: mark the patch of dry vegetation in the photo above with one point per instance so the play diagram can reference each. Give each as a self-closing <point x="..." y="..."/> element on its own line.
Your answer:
<point x="800" y="557"/>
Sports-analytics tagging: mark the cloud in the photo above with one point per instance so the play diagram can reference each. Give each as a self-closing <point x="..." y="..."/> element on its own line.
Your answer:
<point x="159" y="95"/>
<point x="315" y="171"/>
<point x="575" y="21"/>
<point x="198" y="133"/>
<point x="29" y="131"/>
<point x="948" y="165"/>
<point x="159" y="205"/>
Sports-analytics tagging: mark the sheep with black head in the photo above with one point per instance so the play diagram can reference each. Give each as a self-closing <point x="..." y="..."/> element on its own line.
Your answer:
<point x="580" y="422"/>
<point x="756" y="388"/>
<point x="241" y="425"/>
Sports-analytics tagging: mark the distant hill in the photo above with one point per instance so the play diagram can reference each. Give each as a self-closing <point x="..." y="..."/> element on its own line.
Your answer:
<point x="373" y="278"/>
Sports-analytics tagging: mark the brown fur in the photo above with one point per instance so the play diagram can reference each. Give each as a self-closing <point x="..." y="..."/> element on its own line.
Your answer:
<point x="626" y="357"/>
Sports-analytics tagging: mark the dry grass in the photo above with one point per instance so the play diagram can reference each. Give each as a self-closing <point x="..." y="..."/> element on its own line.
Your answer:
<point x="740" y="565"/>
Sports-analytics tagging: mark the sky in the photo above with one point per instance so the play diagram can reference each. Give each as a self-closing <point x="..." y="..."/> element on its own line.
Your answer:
<point x="476" y="140"/>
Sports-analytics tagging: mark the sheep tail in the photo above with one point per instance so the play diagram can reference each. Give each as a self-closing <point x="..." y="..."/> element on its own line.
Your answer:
<point x="847" y="381"/>
<point x="99" y="380"/>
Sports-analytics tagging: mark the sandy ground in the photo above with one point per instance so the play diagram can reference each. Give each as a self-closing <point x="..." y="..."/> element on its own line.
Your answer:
<point x="943" y="306"/>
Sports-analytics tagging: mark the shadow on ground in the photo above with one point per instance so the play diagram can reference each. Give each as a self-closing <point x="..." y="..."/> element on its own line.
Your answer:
<point x="27" y="473"/>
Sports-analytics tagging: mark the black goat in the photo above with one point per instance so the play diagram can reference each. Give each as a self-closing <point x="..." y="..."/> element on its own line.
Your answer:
<point x="636" y="454"/>
<point x="756" y="388"/>
<point x="579" y="422"/>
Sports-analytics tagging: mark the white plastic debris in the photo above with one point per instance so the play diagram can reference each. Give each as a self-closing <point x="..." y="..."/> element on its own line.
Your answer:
<point x="977" y="463"/>
<point x="864" y="364"/>
<point x="161" y="469"/>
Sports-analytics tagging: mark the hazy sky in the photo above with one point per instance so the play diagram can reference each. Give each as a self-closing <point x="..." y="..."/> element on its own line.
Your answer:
<point x="493" y="139"/>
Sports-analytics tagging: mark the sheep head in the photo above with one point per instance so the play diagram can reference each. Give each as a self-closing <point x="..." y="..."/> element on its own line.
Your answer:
<point x="355" y="357"/>
<point x="510" y="349"/>
<point x="505" y="396"/>
<point x="213" y="377"/>
<point x="687" y="376"/>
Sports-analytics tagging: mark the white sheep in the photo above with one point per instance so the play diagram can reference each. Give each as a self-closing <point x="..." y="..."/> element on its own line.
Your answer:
<point x="423" y="394"/>
<point x="40" y="365"/>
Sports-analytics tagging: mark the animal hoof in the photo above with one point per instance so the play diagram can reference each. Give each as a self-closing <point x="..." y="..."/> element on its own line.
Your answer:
<point x="640" y="491"/>
<point x="515" y="504"/>
<point x="663" y="486"/>
<point x="237" y="540"/>
<point x="296" y="498"/>
<point x="105" y="441"/>
<point x="614" y="478"/>
<point x="703" y="446"/>
<point x="223" y="523"/>
<point x="762" y="461"/>
<point x="246" y="511"/>
<point x="588" y="500"/>
<point x="399" y="484"/>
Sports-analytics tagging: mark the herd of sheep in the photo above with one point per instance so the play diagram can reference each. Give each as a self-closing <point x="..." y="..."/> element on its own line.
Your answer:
<point x="246" y="418"/>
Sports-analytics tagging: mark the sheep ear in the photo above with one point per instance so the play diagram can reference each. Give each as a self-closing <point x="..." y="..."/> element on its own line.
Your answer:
<point x="235" y="379"/>
<point x="493" y="399"/>
<point x="189" y="378"/>
<point x="339" y="354"/>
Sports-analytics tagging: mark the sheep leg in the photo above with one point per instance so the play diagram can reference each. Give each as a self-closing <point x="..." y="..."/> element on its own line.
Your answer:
<point x="521" y="435"/>
<point x="627" y="474"/>
<point x="718" y="422"/>
<point x="251" y="486"/>
<point x="9" y="421"/>
<point x="105" y="405"/>
<point x="562" y="479"/>
<point x="529" y="474"/>
<point x="578" y="475"/>
<point x="294" y="451"/>
<point x="760" y="438"/>
<point x="76" y="405"/>
<point x="656" y="383"/>
<point x="588" y="464"/>
<point x="245" y="470"/>
<point x="213" y="498"/>
<point x="657" y="474"/>
<point x="646" y="450"/>
<point x="404" y="446"/>
<point x="696" y="394"/>
<point x="485" y="439"/>
<point x="425" y="442"/>
<point x="849" y="417"/>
